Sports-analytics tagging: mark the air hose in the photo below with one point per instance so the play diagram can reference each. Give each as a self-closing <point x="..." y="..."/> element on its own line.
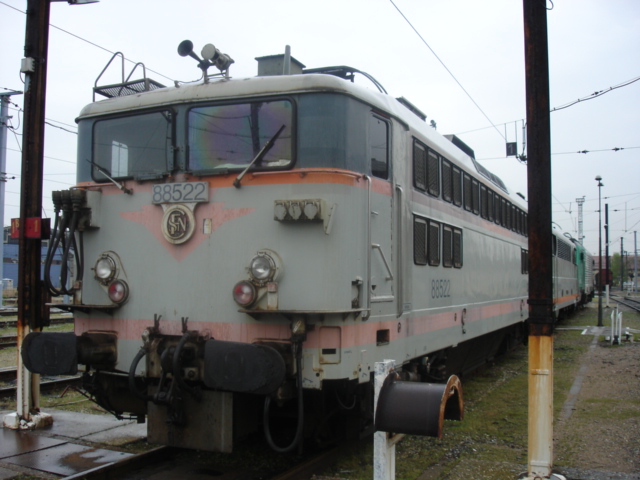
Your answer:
<point x="67" y="205"/>
<point x="299" y="428"/>
<point x="132" y="376"/>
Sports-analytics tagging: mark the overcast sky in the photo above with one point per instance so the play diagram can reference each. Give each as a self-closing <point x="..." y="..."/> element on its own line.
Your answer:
<point x="593" y="46"/>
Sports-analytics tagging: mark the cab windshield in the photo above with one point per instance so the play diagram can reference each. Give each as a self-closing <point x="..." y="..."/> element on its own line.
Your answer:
<point x="229" y="137"/>
<point x="135" y="146"/>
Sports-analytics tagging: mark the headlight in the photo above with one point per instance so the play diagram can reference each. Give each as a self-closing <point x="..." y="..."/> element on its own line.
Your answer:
<point x="118" y="291"/>
<point x="244" y="293"/>
<point x="262" y="268"/>
<point x="105" y="268"/>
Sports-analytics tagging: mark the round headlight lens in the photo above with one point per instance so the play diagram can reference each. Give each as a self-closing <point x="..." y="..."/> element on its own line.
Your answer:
<point x="262" y="268"/>
<point x="244" y="293"/>
<point x="118" y="291"/>
<point x="105" y="268"/>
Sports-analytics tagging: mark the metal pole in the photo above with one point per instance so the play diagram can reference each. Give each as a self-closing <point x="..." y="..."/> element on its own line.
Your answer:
<point x="635" y="260"/>
<point x="621" y="264"/>
<point x="34" y="68"/>
<point x="540" y="455"/>
<point x="4" y="121"/>
<point x="600" y="185"/>
<point x="606" y="248"/>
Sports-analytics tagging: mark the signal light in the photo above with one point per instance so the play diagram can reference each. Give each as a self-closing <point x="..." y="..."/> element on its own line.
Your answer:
<point x="244" y="293"/>
<point x="118" y="291"/>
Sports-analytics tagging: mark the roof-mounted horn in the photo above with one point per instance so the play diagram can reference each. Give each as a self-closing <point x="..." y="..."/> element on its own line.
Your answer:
<point x="211" y="56"/>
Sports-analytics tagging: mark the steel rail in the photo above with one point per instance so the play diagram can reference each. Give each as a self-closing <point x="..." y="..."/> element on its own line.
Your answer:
<point x="627" y="302"/>
<point x="8" y="341"/>
<point x="47" y="385"/>
<point x="54" y="321"/>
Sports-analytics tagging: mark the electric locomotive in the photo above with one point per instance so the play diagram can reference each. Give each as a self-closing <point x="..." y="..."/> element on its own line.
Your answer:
<point x="251" y="247"/>
<point x="573" y="281"/>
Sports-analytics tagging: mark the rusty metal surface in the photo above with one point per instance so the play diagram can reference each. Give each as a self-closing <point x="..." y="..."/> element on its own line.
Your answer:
<point x="77" y="425"/>
<point x="16" y="442"/>
<point x="53" y="449"/>
<point x="66" y="459"/>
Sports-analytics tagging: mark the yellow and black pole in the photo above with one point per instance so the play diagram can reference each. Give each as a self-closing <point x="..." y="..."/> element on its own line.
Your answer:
<point x="540" y="456"/>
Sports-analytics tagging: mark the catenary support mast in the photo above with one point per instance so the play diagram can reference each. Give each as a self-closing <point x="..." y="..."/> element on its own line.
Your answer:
<point x="540" y="455"/>
<point x="30" y="304"/>
<point x="580" y="201"/>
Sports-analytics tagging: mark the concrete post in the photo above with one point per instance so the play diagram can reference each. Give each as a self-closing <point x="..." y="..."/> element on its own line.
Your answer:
<point x="384" y="451"/>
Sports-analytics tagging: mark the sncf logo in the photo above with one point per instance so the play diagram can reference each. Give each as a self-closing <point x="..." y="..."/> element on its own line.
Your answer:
<point x="178" y="224"/>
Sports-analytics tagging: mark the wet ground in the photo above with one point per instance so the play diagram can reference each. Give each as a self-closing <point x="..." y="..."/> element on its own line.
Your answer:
<point x="74" y="443"/>
<point x="596" y="432"/>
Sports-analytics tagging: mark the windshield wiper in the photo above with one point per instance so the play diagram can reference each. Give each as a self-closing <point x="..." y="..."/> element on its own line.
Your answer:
<point x="259" y="156"/>
<point x="106" y="174"/>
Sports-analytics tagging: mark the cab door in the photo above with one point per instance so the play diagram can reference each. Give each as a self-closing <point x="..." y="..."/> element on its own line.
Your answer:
<point x="381" y="252"/>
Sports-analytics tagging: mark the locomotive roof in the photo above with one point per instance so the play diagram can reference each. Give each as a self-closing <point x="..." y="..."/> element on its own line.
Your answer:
<point x="235" y="89"/>
<point x="222" y="89"/>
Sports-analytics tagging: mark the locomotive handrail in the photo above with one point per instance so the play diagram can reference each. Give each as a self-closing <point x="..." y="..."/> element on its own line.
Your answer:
<point x="384" y="260"/>
<point x="95" y="85"/>
<point x="125" y="85"/>
<point x="369" y="213"/>
<point x="399" y="252"/>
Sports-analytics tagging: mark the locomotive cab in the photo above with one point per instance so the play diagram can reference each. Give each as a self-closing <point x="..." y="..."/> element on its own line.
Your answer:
<point x="190" y="203"/>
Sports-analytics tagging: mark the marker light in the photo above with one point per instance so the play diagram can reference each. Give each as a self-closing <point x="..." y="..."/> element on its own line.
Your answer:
<point x="244" y="293"/>
<point x="105" y="268"/>
<point x="118" y="291"/>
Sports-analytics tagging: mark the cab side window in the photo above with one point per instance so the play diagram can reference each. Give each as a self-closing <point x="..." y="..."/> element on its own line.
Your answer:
<point x="379" y="146"/>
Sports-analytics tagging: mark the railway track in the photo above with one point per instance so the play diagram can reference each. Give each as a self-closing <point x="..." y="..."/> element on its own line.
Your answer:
<point x="627" y="302"/>
<point x="59" y="319"/>
<point x="9" y="374"/>
<point x="7" y="341"/>
<point x="10" y="340"/>
<point x="177" y="463"/>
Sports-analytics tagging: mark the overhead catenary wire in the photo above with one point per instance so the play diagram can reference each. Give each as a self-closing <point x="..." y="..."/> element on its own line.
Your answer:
<point x="61" y="128"/>
<point x="583" y="99"/>
<point x="85" y="40"/>
<point x="612" y="196"/>
<point x="614" y="149"/>
<point x="447" y="69"/>
<point x="596" y="94"/>
<point x="73" y="162"/>
<point x="47" y="121"/>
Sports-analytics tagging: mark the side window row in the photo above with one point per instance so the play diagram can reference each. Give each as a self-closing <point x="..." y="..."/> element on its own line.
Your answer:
<point x="463" y="190"/>
<point x="524" y="261"/>
<point x="436" y="242"/>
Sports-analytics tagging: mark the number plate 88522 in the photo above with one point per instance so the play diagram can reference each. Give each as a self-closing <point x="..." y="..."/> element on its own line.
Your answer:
<point x="188" y="192"/>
